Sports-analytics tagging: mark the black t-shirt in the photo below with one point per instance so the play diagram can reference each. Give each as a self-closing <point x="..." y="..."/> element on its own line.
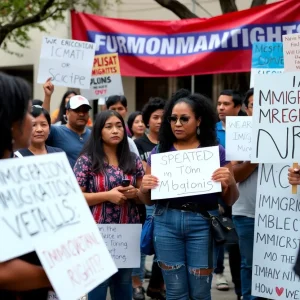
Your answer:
<point x="30" y="257"/>
<point x="144" y="146"/>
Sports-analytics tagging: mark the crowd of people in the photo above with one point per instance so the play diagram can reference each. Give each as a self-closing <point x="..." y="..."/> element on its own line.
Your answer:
<point x="105" y="152"/>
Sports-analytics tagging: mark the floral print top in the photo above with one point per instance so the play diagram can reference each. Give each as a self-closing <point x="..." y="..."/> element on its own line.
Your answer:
<point x="107" y="212"/>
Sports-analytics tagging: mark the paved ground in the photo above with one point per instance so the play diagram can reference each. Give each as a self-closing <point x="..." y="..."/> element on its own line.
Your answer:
<point x="216" y="295"/>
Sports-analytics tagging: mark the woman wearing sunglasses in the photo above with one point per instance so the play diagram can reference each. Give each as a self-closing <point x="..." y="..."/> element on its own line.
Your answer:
<point x="41" y="124"/>
<point x="181" y="235"/>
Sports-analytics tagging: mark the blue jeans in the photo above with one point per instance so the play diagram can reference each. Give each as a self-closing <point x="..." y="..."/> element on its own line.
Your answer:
<point x="245" y="230"/>
<point x="120" y="285"/>
<point x="141" y="270"/>
<point x="181" y="241"/>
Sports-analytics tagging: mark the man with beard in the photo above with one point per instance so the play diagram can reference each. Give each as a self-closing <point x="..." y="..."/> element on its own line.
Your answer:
<point x="72" y="136"/>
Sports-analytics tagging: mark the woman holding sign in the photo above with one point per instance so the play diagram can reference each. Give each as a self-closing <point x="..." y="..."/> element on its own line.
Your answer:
<point x="109" y="175"/>
<point x="181" y="234"/>
<point x="16" y="124"/>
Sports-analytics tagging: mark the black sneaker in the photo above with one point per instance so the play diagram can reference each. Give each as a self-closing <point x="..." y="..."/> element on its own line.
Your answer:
<point x="138" y="293"/>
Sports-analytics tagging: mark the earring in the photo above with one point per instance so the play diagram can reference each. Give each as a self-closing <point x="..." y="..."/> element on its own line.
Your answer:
<point x="198" y="130"/>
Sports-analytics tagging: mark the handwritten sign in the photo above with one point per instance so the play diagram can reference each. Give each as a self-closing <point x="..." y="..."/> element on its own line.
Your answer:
<point x="267" y="58"/>
<point x="238" y="138"/>
<point x="106" y="77"/>
<point x="276" y="237"/>
<point x="185" y="172"/>
<point x="123" y="243"/>
<point x="276" y="117"/>
<point x="291" y="45"/>
<point x="42" y="208"/>
<point x="67" y="62"/>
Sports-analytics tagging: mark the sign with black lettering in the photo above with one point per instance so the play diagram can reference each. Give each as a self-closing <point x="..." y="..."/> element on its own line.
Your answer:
<point x="291" y="45"/>
<point x="276" y="119"/>
<point x="276" y="236"/>
<point x="123" y="243"/>
<point x="67" y="62"/>
<point x="238" y="138"/>
<point x="106" y="78"/>
<point x="42" y="208"/>
<point x="185" y="172"/>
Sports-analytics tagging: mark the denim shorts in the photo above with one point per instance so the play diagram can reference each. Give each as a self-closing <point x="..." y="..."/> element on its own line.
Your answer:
<point x="181" y="241"/>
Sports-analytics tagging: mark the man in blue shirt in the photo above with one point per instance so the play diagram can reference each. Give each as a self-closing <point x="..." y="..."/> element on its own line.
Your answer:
<point x="229" y="104"/>
<point x="72" y="136"/>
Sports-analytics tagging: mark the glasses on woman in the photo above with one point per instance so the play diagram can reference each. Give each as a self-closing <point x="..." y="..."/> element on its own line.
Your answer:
<point x="173" y="120"/>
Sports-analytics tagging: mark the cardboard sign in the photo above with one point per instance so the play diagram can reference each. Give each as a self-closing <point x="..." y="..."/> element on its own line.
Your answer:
<point x="276" y="117"/>
<point x="238" y="138"/>
<point x="267" y="58"/>
<point x="42" y="208"/>
<point x="291" y="46"/>
<point x="123" y="243"/>
<point x="276" y="237"/>
<point x="67" y="62"/>
<point x="106" y="78"/>
<point x="185" y="172"/>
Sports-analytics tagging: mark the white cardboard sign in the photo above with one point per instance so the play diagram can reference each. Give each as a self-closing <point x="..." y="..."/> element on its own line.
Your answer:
<point x="185" y="172"/>
<point x="238" y="138"/>
<point x="276" y="237"/>
<point x="291" y="46"/>
<point x="123" y="243"/>
<point x="68" y="62"/>
<point x="276" y="117"/>
<point x="42" y="208"/>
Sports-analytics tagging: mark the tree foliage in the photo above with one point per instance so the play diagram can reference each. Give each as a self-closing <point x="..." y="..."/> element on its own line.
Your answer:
<point x="17" y="16"/>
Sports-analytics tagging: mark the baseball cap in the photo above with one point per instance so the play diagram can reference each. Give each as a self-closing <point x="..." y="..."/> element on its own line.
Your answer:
<point x="77" y="101"/>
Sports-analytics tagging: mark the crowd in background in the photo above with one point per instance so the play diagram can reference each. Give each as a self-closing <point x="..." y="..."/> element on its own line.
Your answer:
<point x="105" y="152"/>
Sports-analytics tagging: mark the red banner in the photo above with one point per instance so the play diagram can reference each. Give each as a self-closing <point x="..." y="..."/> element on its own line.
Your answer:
<point x="219" y="44"/>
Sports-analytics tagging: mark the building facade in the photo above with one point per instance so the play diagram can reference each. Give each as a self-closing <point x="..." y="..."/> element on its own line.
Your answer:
<point x="137" y="90"/>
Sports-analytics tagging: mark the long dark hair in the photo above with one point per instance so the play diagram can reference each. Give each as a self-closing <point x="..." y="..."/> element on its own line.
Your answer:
<point x="131" y="120"/>
<point x="202" y="108"/>
<point x="94" y="146"/>
<point x="15" y="94"/>
<point x="62" y="107"/>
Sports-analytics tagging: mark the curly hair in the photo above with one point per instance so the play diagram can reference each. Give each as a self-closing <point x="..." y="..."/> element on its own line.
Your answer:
<point x="150" y="107"/>
<point x="202" y="108"/>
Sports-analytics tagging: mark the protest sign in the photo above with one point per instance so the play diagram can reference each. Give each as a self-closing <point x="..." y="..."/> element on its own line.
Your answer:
<point x="238" y="138"/>
<point x="291" y="46"/>
<point x="67" y="62"/>
<point x="267" y="58"/>
<point x="185" y="172"/>
<point x="123" y="243"/>
<point x="276" y="117"/>
<point x="106" y="78"/>
<point x="276" y="237"/>
<point x="42" y="208"/>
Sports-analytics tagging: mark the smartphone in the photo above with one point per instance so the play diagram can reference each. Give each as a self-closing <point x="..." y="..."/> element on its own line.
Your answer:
<point x="125" y="182"/>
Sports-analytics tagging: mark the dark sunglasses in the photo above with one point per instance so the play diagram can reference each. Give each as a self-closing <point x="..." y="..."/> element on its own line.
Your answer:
<point x="183" y="120"/>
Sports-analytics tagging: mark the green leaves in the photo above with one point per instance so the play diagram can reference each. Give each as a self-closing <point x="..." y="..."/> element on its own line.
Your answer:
<point x="18" y="16"/>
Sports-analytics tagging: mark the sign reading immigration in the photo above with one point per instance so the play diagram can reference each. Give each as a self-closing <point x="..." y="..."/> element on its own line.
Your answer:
<point x="276" y="236"/>
<point x="106" y="78"/>
<point x="123" y="243"/>
<point x="191" y="46"/>
<point x="291" y="44"/>
<point x="238" y="138"/>
<point x="276" y="117"/>
<point x="185" y="172"/>
<point x="67" y="62"/>
<point x="42" y="208"/>
<point x="267" y="58"/>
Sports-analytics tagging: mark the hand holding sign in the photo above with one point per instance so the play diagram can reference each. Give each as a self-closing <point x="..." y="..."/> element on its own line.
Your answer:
<point x="149" y="182"/>
<point x="224" y="176"/>
<point x="294" y="175"/>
